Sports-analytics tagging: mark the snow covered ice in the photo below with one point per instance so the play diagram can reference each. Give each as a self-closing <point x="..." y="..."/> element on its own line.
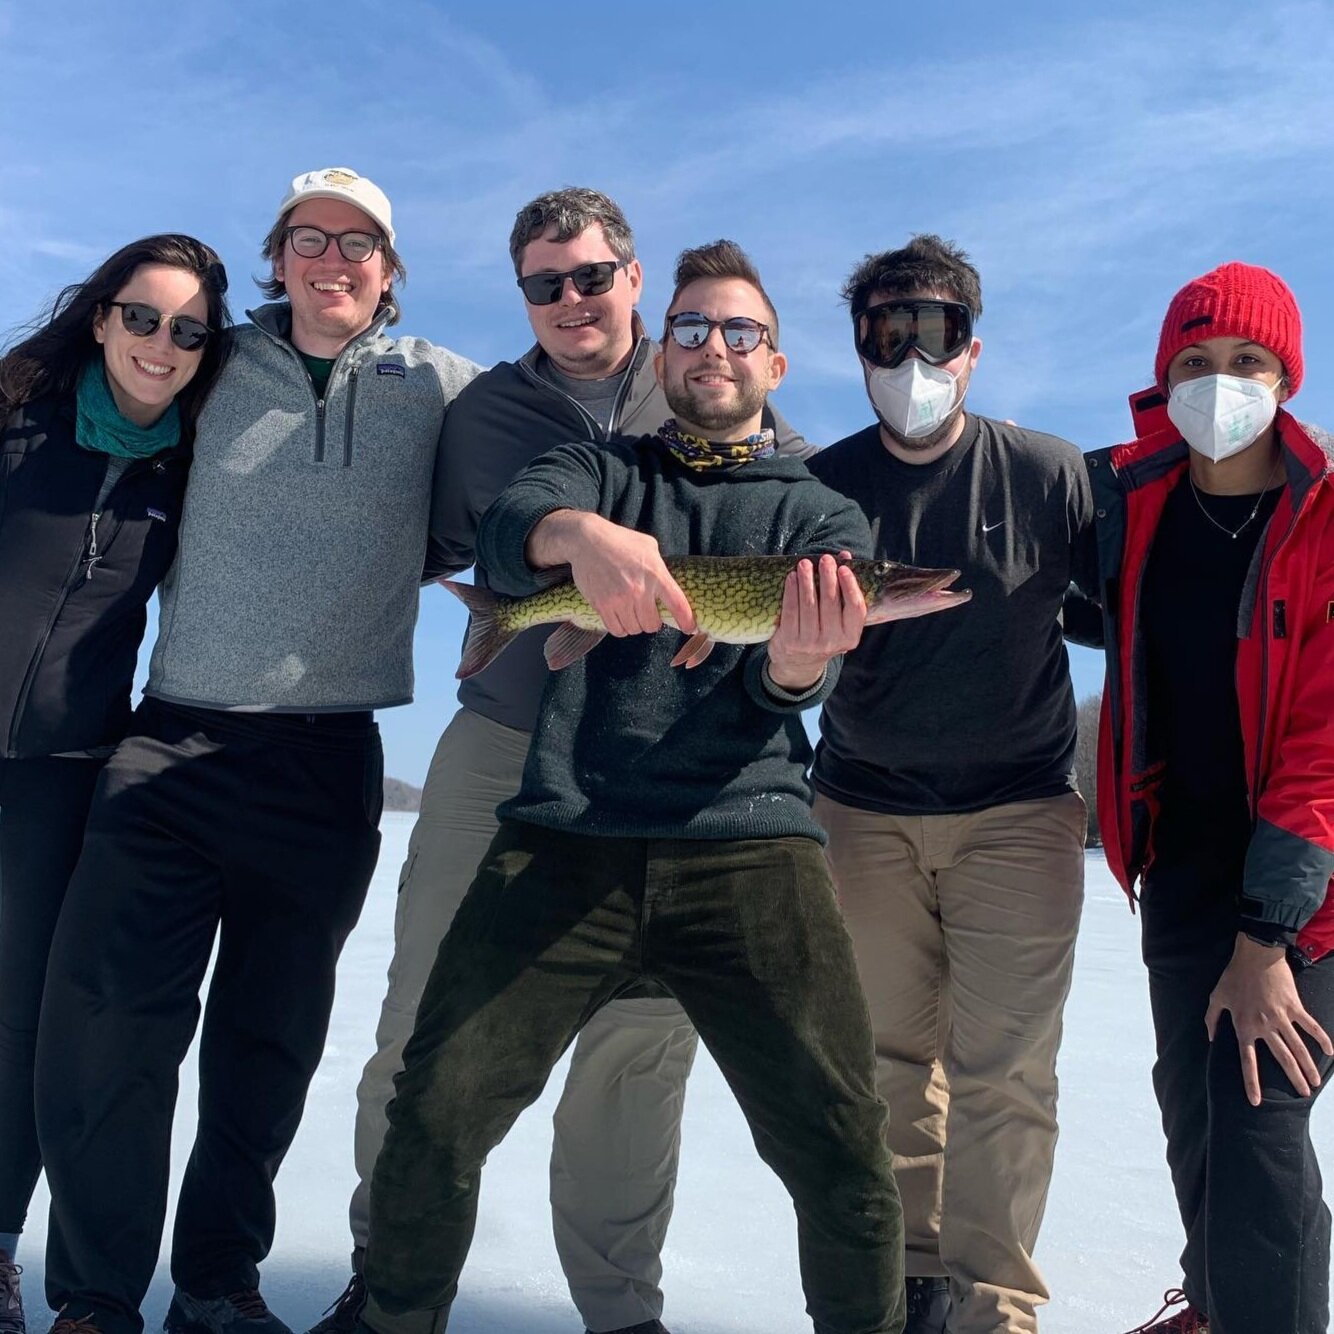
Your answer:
<point x="1109" y="1245"/>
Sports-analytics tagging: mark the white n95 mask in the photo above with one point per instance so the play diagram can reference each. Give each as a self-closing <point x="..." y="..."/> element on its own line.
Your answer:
<point x="1220" y="415"/>
<point x="913" y="398"/>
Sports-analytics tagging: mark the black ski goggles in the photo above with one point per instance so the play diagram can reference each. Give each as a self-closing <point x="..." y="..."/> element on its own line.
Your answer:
<point x="937" y="330"/>
<point x="544" y="289"/>
<point x="142" y="320"/>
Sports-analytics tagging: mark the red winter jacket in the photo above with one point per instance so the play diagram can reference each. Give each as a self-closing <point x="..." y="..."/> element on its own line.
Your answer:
<point x="1285" y="672"/>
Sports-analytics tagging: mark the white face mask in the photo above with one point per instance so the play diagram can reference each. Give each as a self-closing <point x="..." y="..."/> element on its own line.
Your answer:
<point x="1220" y="415"/>
<point x="914" y="398"/>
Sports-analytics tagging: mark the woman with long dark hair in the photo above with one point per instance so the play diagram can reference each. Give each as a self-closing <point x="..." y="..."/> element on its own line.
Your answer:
<point x="98" y="402"/>
<point x="1216" y="787"/>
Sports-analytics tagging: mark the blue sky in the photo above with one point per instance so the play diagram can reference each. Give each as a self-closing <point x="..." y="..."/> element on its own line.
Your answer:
<point x="1090" y="158"/>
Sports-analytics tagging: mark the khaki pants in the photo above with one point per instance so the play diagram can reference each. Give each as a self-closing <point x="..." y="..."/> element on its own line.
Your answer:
<point x="618" y="1125"/>
<point x="964" y="929"/>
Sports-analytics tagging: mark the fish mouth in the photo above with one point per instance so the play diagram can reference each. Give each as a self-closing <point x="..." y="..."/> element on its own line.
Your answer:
<point x="917" y="593"/>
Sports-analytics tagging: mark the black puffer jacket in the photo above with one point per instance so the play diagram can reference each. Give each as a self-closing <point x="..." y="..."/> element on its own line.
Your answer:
<point x="74" y="586"/>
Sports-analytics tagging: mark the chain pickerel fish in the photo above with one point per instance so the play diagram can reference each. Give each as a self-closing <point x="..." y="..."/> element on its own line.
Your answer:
<point x="736" y="600"/>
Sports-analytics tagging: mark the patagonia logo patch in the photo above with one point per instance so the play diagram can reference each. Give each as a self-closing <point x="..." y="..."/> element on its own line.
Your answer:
<point x="1198" y="322"/>
<point x="390" y="368"/>
<point x="158" y="515"/>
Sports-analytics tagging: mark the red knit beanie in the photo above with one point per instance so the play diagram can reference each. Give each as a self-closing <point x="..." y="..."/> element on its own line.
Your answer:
<point x="1235" y="301"/>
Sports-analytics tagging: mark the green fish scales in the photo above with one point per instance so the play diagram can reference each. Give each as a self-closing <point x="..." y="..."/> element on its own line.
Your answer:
<point x="736" y="600"/>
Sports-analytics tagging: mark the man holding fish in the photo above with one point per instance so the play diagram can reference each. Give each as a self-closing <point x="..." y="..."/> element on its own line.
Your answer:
<point x="589" y="376"/>
<point x="662" y="832"/>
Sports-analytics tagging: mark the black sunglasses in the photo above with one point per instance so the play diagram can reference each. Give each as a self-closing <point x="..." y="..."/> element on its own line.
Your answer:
<point x="938" y="330"/>
<point x="312" y="242"/>
<point x="544" y="289"/>
<point x="142" y="320"/>
<point x="741" y="334"/>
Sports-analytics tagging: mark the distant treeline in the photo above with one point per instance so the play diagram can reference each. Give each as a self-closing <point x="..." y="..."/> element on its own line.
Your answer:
<point x="401" y="796"/>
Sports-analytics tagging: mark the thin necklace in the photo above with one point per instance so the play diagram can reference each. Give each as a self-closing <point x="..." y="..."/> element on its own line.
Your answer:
<point x="1234" y="533"/>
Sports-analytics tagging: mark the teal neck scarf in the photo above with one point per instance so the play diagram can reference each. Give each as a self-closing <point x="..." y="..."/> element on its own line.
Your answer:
<point x="100" y="426"/>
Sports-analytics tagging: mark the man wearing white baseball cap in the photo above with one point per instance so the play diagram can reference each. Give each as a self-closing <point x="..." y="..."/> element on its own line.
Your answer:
<point x="246" y="799"/>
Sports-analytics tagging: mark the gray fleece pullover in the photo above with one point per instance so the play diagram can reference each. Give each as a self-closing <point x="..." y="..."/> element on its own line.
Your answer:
<point x="305" y="529"/>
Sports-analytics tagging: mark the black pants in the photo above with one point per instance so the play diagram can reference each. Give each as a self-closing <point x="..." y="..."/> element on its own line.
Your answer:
<point x="748" y="937"/>
<point x="261" y="829"/>
<point x="1246" y="1178"/>
<point x="43" y="809"/>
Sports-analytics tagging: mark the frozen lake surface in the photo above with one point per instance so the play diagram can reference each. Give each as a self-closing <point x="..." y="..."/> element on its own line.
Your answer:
<point x="1108" y="1246"/>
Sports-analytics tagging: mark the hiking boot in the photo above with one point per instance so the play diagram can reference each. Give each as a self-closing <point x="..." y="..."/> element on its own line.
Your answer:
<point x="928" y="1305"/>
<point x="11" y="1301"/>
<point x="345" y="1314"/>
<point x="644" y="1327"/>
<point x="1188" y="1321"/>
<point x="240" y="1313"/>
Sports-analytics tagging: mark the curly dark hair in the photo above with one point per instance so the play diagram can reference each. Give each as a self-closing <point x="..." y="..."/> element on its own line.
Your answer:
<point x="926" y="264"/>
<point x="52" y="350"/>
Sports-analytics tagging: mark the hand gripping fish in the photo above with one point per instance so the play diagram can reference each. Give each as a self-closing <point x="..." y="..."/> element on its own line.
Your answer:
<point x="736" y="600"/>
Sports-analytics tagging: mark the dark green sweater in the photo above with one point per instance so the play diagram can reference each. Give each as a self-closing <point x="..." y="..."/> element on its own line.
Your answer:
<point x="627" y="745"/>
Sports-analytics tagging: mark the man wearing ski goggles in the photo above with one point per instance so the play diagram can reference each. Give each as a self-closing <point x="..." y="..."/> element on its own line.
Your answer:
<point x="943" y="781"/>
<point x="936" y="330"/>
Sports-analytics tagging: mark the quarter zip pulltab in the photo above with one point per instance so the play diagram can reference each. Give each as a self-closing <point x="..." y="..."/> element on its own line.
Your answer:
<point x="319" y="427"/>
<point x="347" y="424"/>
<point x="92" y="557"/>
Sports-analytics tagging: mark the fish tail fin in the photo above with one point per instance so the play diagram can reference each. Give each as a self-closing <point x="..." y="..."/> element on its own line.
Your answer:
<point x="487" y="636"/>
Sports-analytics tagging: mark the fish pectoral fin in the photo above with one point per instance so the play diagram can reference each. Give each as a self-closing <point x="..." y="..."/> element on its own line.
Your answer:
<point x="694" y="650"/>
<point x="568" y="643"/>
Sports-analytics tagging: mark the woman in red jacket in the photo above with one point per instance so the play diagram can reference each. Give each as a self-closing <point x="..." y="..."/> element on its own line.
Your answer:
<point x="1216" y="787"/>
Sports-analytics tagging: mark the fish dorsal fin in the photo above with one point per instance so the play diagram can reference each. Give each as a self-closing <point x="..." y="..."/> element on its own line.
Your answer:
<point x="567" y="643"/>
<point x="694" y="650"/>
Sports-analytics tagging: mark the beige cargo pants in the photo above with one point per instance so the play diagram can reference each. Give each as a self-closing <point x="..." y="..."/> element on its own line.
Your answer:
<point x="964" y="931"/>
<point x="618" y="1124"/>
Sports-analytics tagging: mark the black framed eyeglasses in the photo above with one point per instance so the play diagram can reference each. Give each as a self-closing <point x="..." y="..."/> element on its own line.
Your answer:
<point x="937" y="330"/>
<point x="312" y="242"/>
<point x="544" y="289"/>
<point x="142" y="320"/>
<point x="689" y="329"/>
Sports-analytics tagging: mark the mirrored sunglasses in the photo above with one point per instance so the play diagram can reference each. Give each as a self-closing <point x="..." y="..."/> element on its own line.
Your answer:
<point x="937" y="330"/>
<point x="142" y="320"/>
<point x="312" y="242"/>
<point x="544" y="289"/>
<point x="689" y="329"/>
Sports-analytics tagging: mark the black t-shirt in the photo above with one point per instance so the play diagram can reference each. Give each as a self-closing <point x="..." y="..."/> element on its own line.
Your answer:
<point x="1190" y="599"/>
<point x="971" y="707"/>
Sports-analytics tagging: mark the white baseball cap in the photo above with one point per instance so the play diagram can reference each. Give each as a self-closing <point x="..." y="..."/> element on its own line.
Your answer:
<point x="342" y="183"/>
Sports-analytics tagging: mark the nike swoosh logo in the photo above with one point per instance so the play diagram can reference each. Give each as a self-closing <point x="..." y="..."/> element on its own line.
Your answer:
<point x="991" y="527"/>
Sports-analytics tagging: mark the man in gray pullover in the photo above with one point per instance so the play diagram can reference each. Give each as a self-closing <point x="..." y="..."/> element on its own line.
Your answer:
<point x="247" y="795"/>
